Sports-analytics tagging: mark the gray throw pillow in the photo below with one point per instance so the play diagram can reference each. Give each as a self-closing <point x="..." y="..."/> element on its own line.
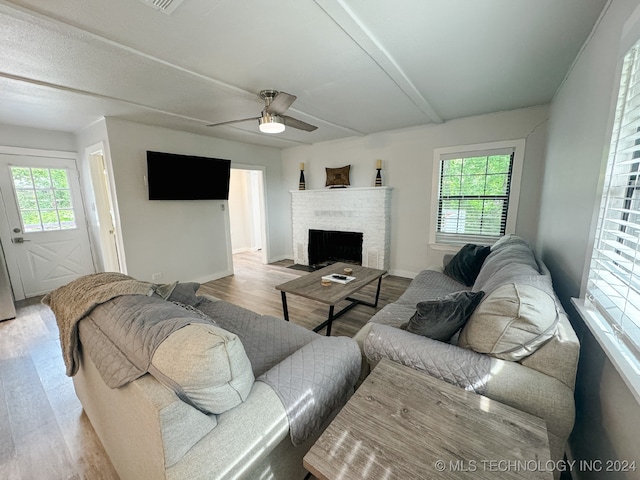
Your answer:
<point x="442" y="317"/>
<point x="185" y="293"/>
<point x="465" y="266"/>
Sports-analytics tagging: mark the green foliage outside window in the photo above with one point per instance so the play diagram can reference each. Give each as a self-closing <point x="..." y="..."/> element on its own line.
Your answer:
<point x="474" y="195"/>
<point x="44" y="198"/>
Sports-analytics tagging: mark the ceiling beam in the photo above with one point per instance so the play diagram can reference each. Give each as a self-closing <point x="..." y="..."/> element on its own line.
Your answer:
<point x="347" y="20"/>
<point x="33" y="14"/>
<point x="96" y="95"/>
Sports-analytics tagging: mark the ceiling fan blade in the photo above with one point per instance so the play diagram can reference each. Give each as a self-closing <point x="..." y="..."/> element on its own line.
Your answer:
<point x="280" y="103"/>
<point x="299" y="124"/>
<point x="232" y="121"/>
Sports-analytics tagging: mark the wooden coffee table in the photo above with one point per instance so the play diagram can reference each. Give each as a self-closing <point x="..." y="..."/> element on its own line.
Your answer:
<point x="309" y="286"/>
<point x="403" y="424"/>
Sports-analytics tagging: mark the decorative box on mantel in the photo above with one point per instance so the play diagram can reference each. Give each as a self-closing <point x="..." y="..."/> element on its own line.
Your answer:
<point x="365" y="210"/>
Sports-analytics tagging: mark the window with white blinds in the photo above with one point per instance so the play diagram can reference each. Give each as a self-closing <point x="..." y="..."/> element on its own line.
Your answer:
<point x="473" y="196"/>
<point x="614" y="275"/>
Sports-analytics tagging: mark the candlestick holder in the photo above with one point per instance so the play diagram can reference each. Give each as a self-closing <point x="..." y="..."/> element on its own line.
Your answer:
<point x="378" y="178"/>
<point x="302" y="185"/>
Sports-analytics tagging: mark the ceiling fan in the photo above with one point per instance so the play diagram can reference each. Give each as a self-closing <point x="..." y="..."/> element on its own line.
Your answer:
<point x="272" y="119"/>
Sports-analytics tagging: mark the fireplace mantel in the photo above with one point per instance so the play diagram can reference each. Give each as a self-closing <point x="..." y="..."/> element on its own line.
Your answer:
<point x="338" y="190"/>
<point x="366" y="210"/>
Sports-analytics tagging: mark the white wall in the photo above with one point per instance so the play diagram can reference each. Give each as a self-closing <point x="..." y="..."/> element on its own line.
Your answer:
<point x="608" y="417"/>
<point x="407" y="157"/>
<point x="89" y="136"/>
<point x="15" y="136"/>
<point x="183" y="240"/>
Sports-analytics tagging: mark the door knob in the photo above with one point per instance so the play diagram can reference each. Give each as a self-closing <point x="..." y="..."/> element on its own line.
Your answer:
<point x="19" y="240"/>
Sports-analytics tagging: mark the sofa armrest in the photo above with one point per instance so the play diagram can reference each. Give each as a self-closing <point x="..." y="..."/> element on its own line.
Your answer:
<point x="209" y="297"/>
<point x="143" y="426"/>
<point x="458" y="366"/>
<point x="314" y="382"/>
<point x="435" y="268"/>
<point x="507" y="382"/>
<point x="244" y="437"/>
<point x="534" y="392"/>
<point x="446" y="259"/>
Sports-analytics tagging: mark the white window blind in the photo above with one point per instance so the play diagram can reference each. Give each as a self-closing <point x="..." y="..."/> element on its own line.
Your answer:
<point x="473" y="198"/>
<point x="614" y="275"/>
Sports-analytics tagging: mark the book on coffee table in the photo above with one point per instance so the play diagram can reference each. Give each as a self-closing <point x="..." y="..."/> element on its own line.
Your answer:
<point x="338" y="278"/>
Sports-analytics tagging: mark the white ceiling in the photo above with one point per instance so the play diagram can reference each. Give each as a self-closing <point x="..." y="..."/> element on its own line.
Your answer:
<point x="357" y="66"/>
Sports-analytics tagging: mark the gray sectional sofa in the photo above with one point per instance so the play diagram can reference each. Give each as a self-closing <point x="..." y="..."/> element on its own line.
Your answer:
<point x="242" y="397"/>
<point x="517" y="347"/>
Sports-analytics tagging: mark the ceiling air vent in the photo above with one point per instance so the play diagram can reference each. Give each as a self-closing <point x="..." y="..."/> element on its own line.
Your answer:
<point x="165" y="6"/>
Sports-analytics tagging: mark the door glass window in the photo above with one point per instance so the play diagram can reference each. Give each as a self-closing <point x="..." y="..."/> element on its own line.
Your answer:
<point x="44" y="199"/>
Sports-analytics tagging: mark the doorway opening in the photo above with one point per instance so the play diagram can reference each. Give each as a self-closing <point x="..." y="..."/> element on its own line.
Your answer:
<point x="103" y="222"/>
<point x="247" y="211"/>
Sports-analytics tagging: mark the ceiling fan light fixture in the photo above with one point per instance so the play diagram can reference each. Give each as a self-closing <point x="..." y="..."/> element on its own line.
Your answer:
<point x="270" y="123"/>
<point x="272" y="119"/>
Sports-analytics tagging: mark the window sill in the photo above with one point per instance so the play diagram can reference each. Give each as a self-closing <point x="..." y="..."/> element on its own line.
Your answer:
<point x="445" y="247"/>
<point x="622" y="358"/>
<point x="455" y="247"/>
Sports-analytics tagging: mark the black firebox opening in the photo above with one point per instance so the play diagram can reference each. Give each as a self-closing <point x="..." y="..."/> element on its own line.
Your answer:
<point x="328" y="246"/>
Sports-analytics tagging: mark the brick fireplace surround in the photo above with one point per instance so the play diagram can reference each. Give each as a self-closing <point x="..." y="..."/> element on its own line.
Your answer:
<point x="366" y="210"/>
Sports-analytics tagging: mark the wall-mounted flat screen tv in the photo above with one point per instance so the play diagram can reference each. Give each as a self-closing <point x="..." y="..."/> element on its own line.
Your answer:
<point x="186" y="177"/>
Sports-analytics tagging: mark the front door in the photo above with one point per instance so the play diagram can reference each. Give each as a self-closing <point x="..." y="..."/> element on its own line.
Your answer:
<point x="45" y="236"/>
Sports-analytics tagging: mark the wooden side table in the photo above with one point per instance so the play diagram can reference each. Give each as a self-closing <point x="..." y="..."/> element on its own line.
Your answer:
<point x="403" y="424"/>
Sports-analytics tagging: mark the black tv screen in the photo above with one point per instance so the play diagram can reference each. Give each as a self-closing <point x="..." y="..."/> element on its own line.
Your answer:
<point x="186" y="177"/>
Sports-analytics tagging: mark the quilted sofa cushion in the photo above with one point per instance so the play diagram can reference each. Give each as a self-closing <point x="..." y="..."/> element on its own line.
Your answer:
<point x="458" y="366"/>
<point x="267" y="340"/>
<point x="511" y="323"/>
<point x="428" y="285"/>
<point x="210" y="365"/>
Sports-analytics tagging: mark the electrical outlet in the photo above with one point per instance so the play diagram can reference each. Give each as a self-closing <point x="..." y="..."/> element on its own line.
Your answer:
<point x="156" y="276"/>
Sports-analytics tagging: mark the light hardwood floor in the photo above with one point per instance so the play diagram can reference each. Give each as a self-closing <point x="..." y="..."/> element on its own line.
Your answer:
<point x="43" y="432"/>
<point x="253" y="287"/>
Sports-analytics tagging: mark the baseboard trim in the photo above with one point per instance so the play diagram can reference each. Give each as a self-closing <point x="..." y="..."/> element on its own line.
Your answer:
<point x="403" y="273"/>
<point x="280" y="258"/>
<point x="215" y="276"/>
<point x="242" y="250"/>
